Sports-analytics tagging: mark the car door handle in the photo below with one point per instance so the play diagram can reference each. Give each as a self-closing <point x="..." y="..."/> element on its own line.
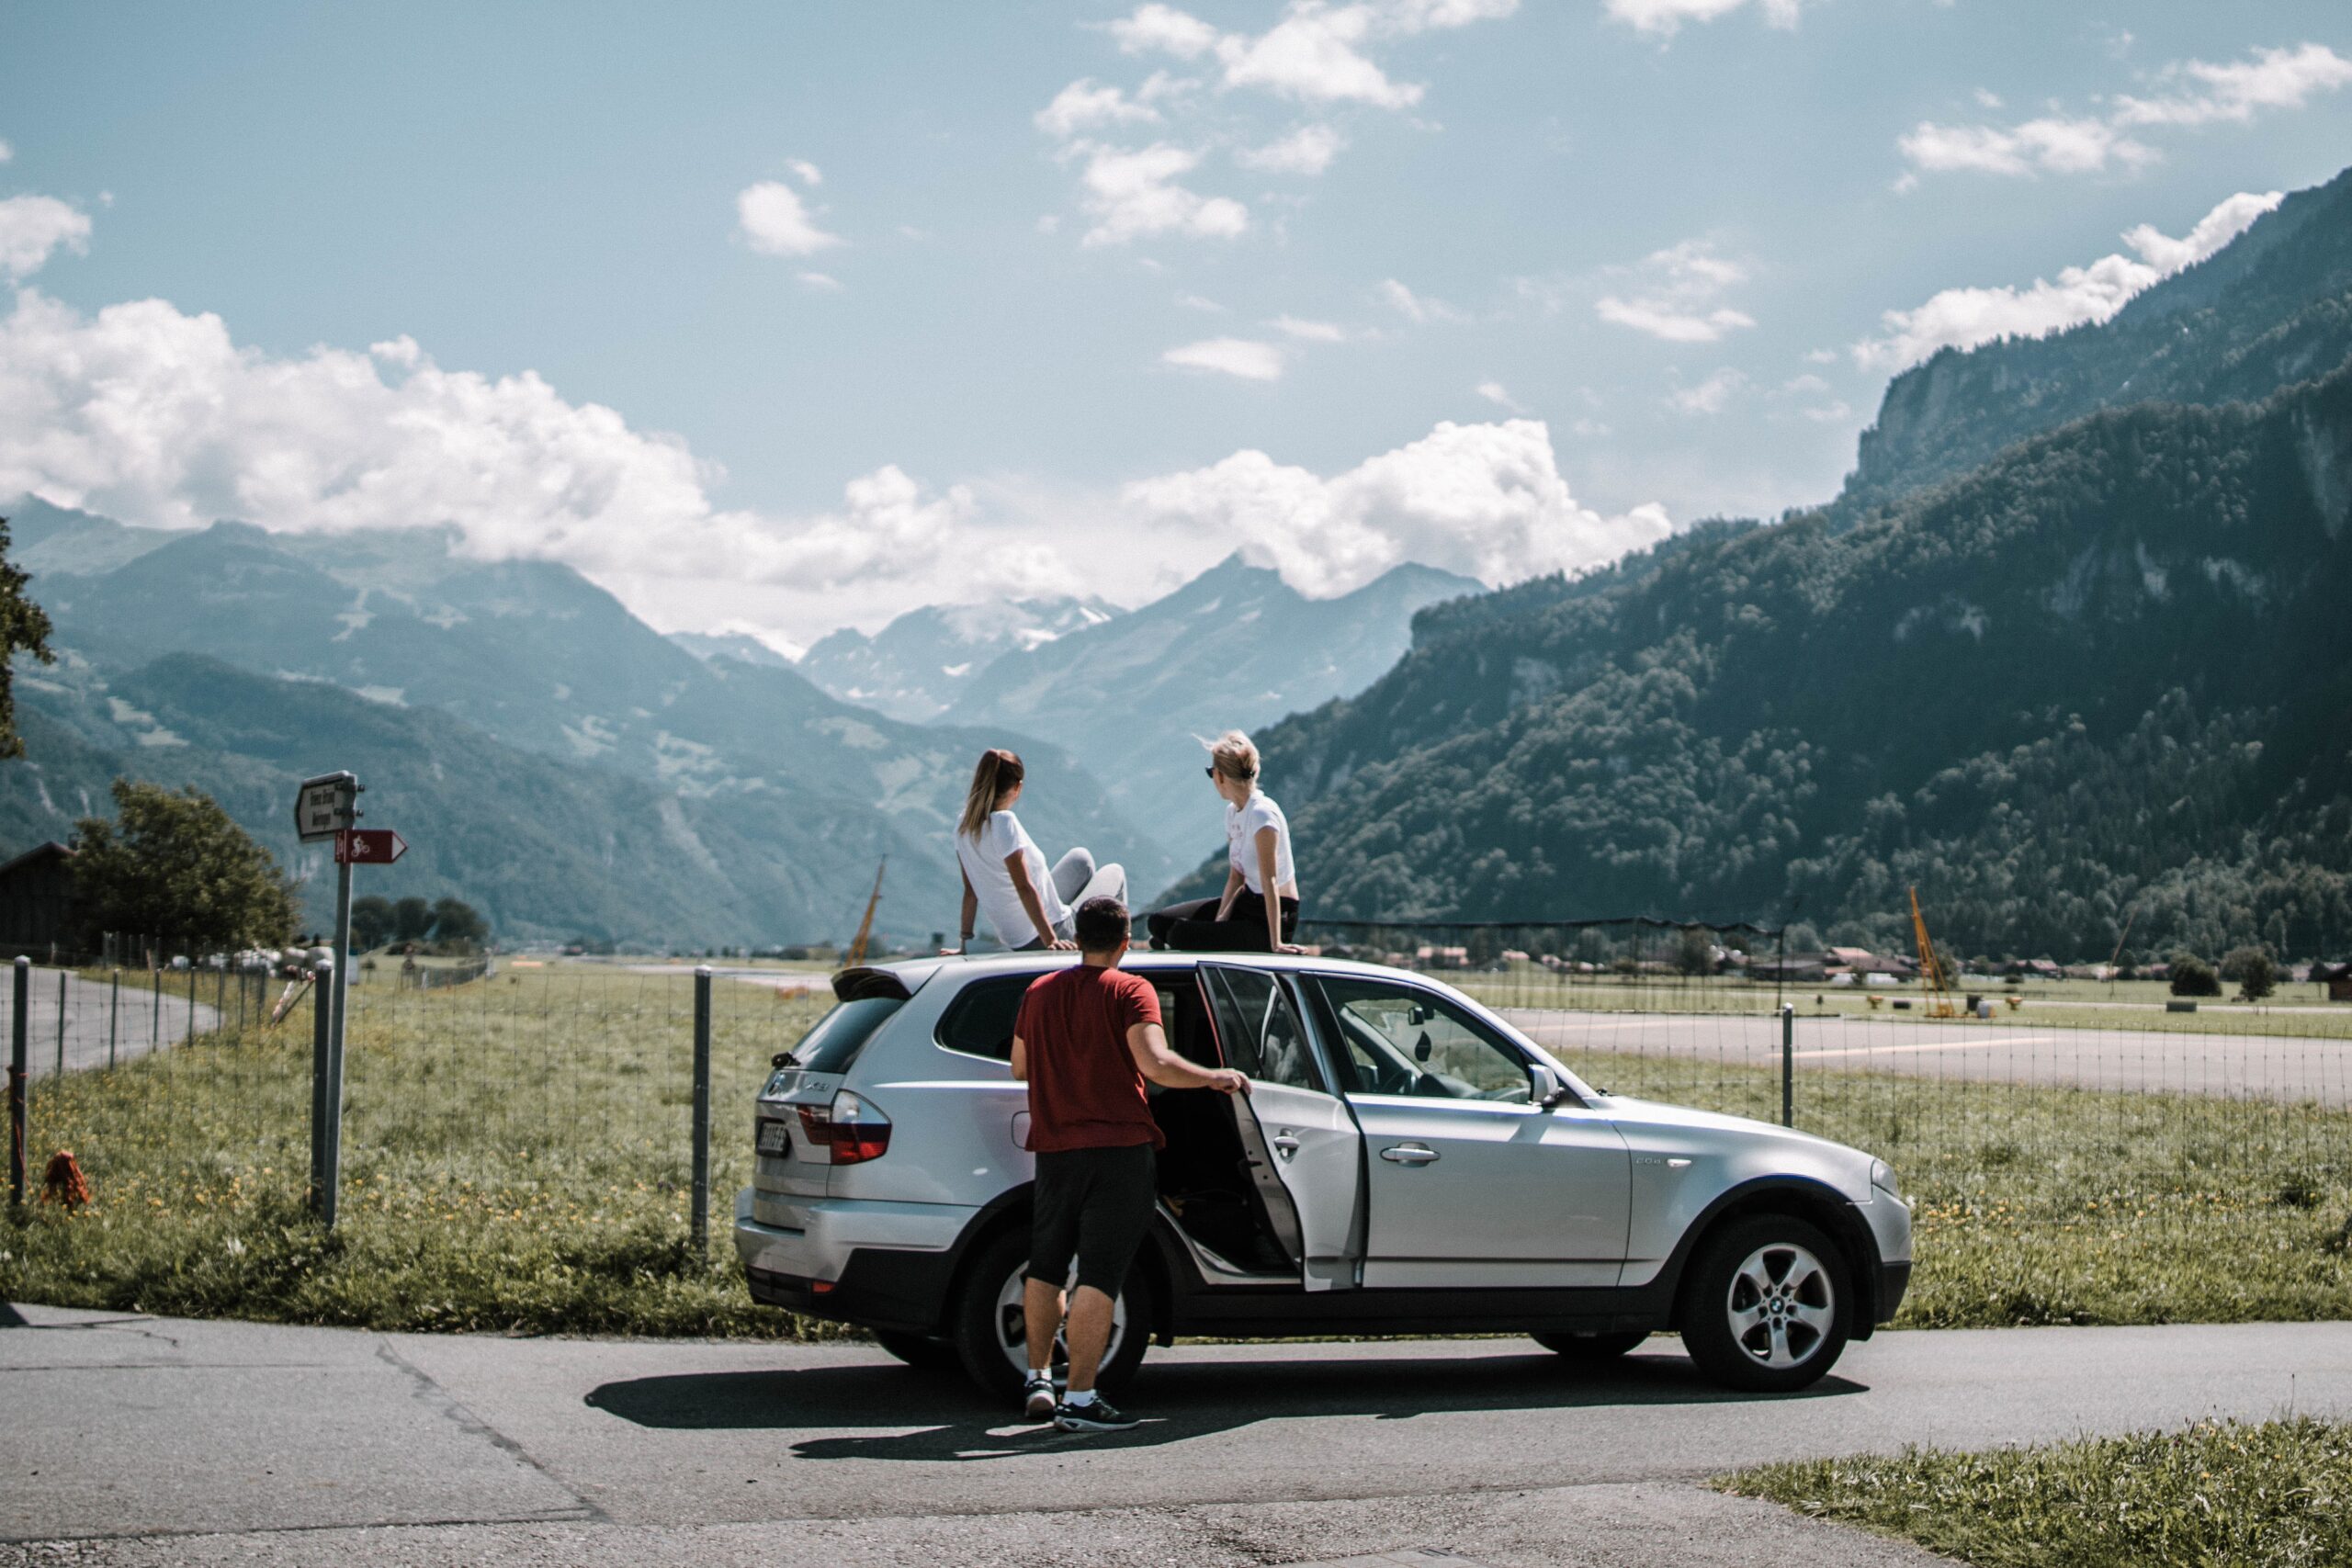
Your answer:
<point x="1285" y="1144"/>
<point x="1408" y="1154"/>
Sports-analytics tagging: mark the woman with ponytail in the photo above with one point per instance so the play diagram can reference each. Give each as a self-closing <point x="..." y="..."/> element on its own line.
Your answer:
<point x="1004" y="875"/>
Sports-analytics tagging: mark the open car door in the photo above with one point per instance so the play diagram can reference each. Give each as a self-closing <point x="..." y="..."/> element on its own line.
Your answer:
<point x="1304" y="1152"/>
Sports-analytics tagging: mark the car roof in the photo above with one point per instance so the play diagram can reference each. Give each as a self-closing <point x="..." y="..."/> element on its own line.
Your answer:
<point x="960" y="968"/>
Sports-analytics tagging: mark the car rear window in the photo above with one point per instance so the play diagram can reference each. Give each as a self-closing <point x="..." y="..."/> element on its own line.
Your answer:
<point x="842" y="1033"/>
<point x="979" y="1020"/>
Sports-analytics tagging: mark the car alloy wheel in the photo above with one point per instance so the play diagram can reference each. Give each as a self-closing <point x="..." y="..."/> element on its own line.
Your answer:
<point x="1782" y="1307"/>
<point x="1013" y="1331"/>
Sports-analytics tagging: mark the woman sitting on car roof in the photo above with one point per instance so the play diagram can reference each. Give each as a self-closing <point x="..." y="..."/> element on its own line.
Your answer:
<point x="1259" y="909"/>
<point x="1004" y="873"/>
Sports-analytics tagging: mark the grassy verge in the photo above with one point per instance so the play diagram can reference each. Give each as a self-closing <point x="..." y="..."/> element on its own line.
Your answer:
<point x="2277" y="1494"/>
<point x="516" y="1158"/>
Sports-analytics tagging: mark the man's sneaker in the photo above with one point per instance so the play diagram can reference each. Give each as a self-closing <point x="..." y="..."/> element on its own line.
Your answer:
<point x="1098" y="1415"/>
<point x="1037" y="1396"/>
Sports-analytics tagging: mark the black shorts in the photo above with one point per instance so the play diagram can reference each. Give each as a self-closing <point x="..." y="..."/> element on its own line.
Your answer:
<point x="1095" y="1204"/>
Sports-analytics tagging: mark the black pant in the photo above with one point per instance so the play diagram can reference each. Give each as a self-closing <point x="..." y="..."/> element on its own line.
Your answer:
<point x="1095" y="1204"/>
<point x="1194" y="927"/>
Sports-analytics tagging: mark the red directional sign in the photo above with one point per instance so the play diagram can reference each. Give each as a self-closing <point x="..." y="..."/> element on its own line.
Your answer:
<point x="368" y="846"/>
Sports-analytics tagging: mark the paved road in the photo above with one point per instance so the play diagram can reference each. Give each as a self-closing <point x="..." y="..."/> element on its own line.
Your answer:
<point x="151" y="1440"/>
<point x="103" y="1022"/>
<point x="2000" y="1050"/>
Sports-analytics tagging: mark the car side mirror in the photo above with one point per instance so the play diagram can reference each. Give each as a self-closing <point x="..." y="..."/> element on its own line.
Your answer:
<point x="1544" y="1088"/>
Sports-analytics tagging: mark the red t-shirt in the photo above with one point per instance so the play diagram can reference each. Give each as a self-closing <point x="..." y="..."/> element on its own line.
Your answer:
<point x="1085" y="1091"/>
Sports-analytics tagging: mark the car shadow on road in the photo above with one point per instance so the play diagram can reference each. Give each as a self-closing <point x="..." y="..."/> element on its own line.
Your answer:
<point x="1179" y="1400"/>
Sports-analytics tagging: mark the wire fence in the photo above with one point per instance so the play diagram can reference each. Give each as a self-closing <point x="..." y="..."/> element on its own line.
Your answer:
<point x="522" y="1131"/>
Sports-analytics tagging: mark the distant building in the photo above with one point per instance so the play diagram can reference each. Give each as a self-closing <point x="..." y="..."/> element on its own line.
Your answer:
<point x="1797" y="968"/>
<point x="2336" y="977"/>
<point x="37" y="909"/>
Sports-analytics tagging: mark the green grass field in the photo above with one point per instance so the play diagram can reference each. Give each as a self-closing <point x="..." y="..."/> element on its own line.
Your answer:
<point x="2221" y="1494"/>
<point x="516" y="1158"/>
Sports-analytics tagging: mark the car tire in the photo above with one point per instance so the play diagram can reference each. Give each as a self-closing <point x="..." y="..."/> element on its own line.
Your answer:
<point x="1769" y="1305"/>
<point x="988" y="1335"/>
<point x="923" y="1350"/>
<point x="1592" y="1349"/>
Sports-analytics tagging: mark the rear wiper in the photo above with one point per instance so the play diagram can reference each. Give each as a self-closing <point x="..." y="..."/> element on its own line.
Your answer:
<point x="783" y="1059"/>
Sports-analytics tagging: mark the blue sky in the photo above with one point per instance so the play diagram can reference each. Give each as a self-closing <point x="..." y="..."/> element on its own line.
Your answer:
<point x="774" y="316"/>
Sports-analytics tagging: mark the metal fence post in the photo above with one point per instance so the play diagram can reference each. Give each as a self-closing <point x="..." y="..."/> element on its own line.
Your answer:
<point x="17" y="1069"/>
<point x="1788" y="1064"/>
<point x="114" y="1012"/>
<point x="702" y="1112"/>
<point x="325" y="1096"/>
<point x="61" y="1024"/>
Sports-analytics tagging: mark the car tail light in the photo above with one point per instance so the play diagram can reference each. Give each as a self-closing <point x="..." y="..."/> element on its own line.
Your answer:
<point x="850" y="1131"/>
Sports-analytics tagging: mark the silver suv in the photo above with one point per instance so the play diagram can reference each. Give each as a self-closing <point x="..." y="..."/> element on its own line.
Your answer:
<point x="1407" y="1163"/>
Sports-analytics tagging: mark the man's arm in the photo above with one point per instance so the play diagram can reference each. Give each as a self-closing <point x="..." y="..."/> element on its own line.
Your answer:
<point x="1019" y="1060"/>
<point x="1165" y="1068"/>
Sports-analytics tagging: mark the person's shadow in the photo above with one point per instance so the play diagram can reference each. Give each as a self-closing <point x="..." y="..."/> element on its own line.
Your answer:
<point x="1182" y="1399"/>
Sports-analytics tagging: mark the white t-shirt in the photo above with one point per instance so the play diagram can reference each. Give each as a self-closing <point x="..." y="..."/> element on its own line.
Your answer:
<point x="999" y="901"/>
<point x="1241" y="825"/>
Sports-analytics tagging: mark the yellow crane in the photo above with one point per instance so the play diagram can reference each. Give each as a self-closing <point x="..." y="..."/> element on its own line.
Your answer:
<point x="866" y="926"/>
<point x="1931" y="973"/>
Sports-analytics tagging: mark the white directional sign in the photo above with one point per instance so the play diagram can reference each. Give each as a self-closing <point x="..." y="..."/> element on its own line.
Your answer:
<point x="326" y="805"/>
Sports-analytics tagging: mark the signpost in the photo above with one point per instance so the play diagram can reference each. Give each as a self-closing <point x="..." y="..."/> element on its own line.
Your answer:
<point x="328" y="808"/>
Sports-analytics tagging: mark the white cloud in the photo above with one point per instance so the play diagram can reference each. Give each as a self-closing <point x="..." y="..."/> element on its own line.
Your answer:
<point x="1987" y="98"/>
<point x="2204" y="94"/>
<point x="1312" y="54"/>
<point x="156" y="417"/>
<point x="1133" y="195"/>
<point x="821" y="280"/>
<point x="1315" y="54"/>
<point x="1310" y="332"/>
<point x="775" y="223"/>
<point x="1963" y="318"/>
<point x="2268" y="79"/>
<point x="810" y="174"/>
<point x="1666" y="16"/>
<point x="32" y="228"/>
<point x="1163" y="29"/>
<point x="1500" y="395"/>
<point x="1678" y="299"/>
<point x="1486" y="500"/>
<point x="7" y="153"/>
<point x="1419" y="308"/>
<point x="1244" y="357"/>
<point x="1201" y="303"/>
<point x="1082" y="106"/>
<point x="1709" y="396"/>
<point x="1306" y="150"/>
<point x="2053" y="144"/>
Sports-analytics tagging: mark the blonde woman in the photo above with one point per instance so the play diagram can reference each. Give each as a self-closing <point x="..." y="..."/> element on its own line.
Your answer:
<point x="1004" y="873"/>
<point x="1258" y="912"/>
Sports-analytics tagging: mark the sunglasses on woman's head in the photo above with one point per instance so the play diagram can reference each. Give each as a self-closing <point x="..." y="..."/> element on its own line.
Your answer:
<point x="1212" y="772"/>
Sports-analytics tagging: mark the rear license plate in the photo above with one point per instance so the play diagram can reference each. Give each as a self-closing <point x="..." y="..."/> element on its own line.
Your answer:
<point x="776" y="1139"/>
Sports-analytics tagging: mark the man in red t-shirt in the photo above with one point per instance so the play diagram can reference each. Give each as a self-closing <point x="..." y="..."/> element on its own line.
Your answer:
<point x="1086" y="1040"/>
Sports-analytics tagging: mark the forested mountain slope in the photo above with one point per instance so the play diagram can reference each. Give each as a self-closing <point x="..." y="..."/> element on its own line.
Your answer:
<point x="2271" y="309"/>
<point x="2107" y="669"/>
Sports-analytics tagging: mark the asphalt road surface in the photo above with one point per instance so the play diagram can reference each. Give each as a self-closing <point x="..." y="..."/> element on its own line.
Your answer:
<point x="136" y="1440"/>
<point x="1998" y="1050"/>
<point x="101" y="1023"/>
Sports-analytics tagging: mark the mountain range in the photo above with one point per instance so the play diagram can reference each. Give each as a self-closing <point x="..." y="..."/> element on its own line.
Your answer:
<point x="2070" y="654"/>
<point x="918" y="667"/>
<point x="772" y="801"/>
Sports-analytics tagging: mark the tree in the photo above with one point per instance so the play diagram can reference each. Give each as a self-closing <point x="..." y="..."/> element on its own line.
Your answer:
<point x="2254" y="971"/>
<point x="175" y="864"/>
<point x="2193" y="977"/>
<point x="411" y="919"/>
<point x="1695" y="952"/>
<point x="458" y="925"/>
<point x="371" y="922"/>
<point x="23" y="628"/>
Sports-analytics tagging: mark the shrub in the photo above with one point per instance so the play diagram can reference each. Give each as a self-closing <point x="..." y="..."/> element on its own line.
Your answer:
<point x="2193" y="977"/>
<point x="2252" y="968"/>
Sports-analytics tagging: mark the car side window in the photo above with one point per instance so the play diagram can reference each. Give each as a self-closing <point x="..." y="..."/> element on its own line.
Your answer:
<point x="1260" y="1029"/>
<point x="1399" y="1040"/>
<point x="979" y="1020"/>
